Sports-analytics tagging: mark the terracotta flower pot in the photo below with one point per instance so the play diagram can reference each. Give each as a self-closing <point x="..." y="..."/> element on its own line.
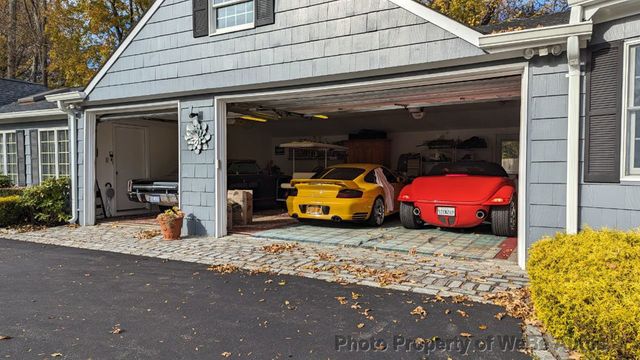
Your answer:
<point x="171" y="226"/>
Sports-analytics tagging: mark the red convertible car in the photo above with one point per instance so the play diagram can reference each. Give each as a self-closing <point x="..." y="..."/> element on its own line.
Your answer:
<point x="461" y="195"/>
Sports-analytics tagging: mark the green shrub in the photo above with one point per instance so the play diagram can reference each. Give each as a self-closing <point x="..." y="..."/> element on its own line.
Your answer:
<point x="11" y="211"/>
<point x="12" y="191"/>
<point x="5" y="181"/>
<point x="47" y="203"/>
<point x="586" y="291"/>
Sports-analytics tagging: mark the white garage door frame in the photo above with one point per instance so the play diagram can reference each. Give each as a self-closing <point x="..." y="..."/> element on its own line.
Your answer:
<point x="478" y="73"/>
<point x="90" y="125"/>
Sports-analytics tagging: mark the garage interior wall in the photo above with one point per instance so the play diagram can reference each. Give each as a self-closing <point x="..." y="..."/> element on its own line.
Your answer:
<point x="162" y="145"/>
<point x="257" y="141"/>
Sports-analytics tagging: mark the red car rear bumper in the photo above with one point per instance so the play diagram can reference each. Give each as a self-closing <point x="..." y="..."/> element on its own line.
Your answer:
<point x="466" y="215"/>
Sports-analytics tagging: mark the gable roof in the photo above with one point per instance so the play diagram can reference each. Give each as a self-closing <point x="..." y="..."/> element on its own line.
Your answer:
<point x="11" y="90"/>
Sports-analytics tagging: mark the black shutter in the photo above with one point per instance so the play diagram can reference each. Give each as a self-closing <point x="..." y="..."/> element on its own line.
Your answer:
<point x="200" y="18"/>
<point x="35" y="157"/>
<point x="603" y="117"/>
<point x="22" y="166"/>
<point x="265" y="12"/>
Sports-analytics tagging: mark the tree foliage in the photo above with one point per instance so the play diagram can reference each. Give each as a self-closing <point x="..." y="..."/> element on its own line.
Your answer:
<point x="63" y="42"/>
<point x="484" y="12"/>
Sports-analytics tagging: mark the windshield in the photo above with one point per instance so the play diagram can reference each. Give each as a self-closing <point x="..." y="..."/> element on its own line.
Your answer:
<point x="339" y="174"/>
<point x="243" y="168"/>
<point x="476" y="168"/>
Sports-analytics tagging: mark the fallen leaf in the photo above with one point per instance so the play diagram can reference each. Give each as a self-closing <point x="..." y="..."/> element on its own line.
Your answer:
<point x="447" y="311"/>
<point x="56" y="355"/>
<point x="279" y="248"/>
<point x="413" y="251"/>
<point x="226" y="354"/>
<point x="5" y="337"/>
<point x="419" y="311"/>
<point x="500" y="315"/>
<point x="482" y="327"/>
<point x="342" y="300"/>
<point x="466" y="334"/>
<point x="282" y="283"/>
<point x="419" y="341"/>
<point x="355" y="296"/>
<point x="116" y="329"/>
<point x="223" y="269"/>
<point x="356" y="306"/>
<point x="147" y="234"/>
<point x="462" y="313"/>
<point x="360" y="325"/>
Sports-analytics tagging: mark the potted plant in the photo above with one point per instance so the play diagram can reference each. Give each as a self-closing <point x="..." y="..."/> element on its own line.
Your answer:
<point x="171" y="223"/>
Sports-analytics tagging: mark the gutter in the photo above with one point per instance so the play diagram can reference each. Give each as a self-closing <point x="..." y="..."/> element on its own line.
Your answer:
<point x="540" y="39"/>
<point x="67" y="102"/>
<point x="31" y="114"/>
<point x="573" y="127"/>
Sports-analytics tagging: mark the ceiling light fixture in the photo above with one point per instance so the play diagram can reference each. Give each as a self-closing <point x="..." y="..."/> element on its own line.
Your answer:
<point x="253" y="118"/>
<point x="417" y="113"/>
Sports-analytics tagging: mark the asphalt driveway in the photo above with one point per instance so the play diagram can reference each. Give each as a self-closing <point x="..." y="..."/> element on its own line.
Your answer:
<point x="76" y="304"/>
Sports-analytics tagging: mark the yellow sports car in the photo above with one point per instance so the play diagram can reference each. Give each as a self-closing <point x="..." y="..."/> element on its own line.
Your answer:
<point x="348" y="192"/>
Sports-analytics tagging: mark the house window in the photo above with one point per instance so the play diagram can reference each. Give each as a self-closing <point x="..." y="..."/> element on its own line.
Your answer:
<point x="631" y="126"/>
<point x="231" y="15"/>
<point x="54" y="153"/>
<point x="9" y="156"/>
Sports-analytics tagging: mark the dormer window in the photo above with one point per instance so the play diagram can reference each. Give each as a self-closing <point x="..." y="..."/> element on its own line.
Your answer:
<point x="231" y="15"/>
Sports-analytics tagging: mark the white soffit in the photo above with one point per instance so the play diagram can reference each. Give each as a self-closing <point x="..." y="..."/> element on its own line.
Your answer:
<point x="533" y="38"/>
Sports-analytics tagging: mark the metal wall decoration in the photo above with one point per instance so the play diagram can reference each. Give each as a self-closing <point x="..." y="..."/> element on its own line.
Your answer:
<point x="197" y="136"/>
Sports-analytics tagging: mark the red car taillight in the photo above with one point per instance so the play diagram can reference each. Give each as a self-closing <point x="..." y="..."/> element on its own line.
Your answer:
<point x="349" y="194"/>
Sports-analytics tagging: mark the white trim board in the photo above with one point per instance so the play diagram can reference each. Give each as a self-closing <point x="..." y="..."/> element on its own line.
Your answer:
<point x="462" y="31"/>
<point x="33" y="114"/>
<point x="477" y="73"/>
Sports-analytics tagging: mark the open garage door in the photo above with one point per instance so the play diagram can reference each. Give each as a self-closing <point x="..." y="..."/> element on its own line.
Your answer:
<point x="136" y="163"/>
<point x="385" y="138"/>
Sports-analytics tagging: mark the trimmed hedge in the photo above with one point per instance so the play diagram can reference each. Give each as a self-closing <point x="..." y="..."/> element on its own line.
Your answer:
<point x="47" y="203"/>
<point x="586" y="291"/>
<point x="12" y="191"/>
<point x="11" y="211"/>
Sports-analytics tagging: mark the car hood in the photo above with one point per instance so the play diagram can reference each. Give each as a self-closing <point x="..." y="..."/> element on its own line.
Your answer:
<point x="456" y="188"/>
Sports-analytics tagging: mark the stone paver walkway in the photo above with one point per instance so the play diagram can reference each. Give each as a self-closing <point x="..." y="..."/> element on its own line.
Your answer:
<point x="433" y="275"/>
<point x="393" y="236"/>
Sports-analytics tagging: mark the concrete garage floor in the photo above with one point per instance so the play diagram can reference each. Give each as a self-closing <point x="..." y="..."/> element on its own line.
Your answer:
<point x="477" y="243"/>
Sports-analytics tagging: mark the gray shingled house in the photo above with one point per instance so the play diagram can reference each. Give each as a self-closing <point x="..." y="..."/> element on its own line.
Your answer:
<point x="34" y="143"/>
<point x="554" y="98"/>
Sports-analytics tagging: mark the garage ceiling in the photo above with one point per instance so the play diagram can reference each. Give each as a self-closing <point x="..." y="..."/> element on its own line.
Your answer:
<point x="478" y="91"/>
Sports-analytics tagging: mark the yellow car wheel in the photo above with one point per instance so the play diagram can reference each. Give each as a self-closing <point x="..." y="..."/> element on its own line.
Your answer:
<point x="377" y="213"/>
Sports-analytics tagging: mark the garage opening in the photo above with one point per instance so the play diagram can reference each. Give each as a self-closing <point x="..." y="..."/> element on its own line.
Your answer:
<point x="136" y="164"/>
<point x="332" y="149"/>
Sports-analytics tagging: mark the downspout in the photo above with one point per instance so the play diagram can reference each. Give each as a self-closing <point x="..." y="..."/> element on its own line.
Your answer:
<point x="71" y="119"/>
<point x="573" y="127"/>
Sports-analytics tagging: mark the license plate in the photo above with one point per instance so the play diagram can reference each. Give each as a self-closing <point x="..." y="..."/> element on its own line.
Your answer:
<point x="314" y="210"/>
<point x="446" y="211"/>
<point x="153" y="199"/>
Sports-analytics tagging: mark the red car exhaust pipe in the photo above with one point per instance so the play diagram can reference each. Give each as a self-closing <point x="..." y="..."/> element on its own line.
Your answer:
<point x="416" y="211"/>
<point x="481" y="214"/>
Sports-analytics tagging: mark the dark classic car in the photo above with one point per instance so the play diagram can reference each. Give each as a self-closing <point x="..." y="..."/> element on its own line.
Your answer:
<point x="247" y="175"/>
<point x="241" y="175"/>
<point x="162" y="192"/>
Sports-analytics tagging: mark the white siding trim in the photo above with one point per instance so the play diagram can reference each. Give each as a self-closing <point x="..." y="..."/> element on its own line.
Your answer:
<point x="522" y="171"/>
<point x="462" y="31"/>
<point x="105" y="68"/>
<point x="625" y="176"/>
